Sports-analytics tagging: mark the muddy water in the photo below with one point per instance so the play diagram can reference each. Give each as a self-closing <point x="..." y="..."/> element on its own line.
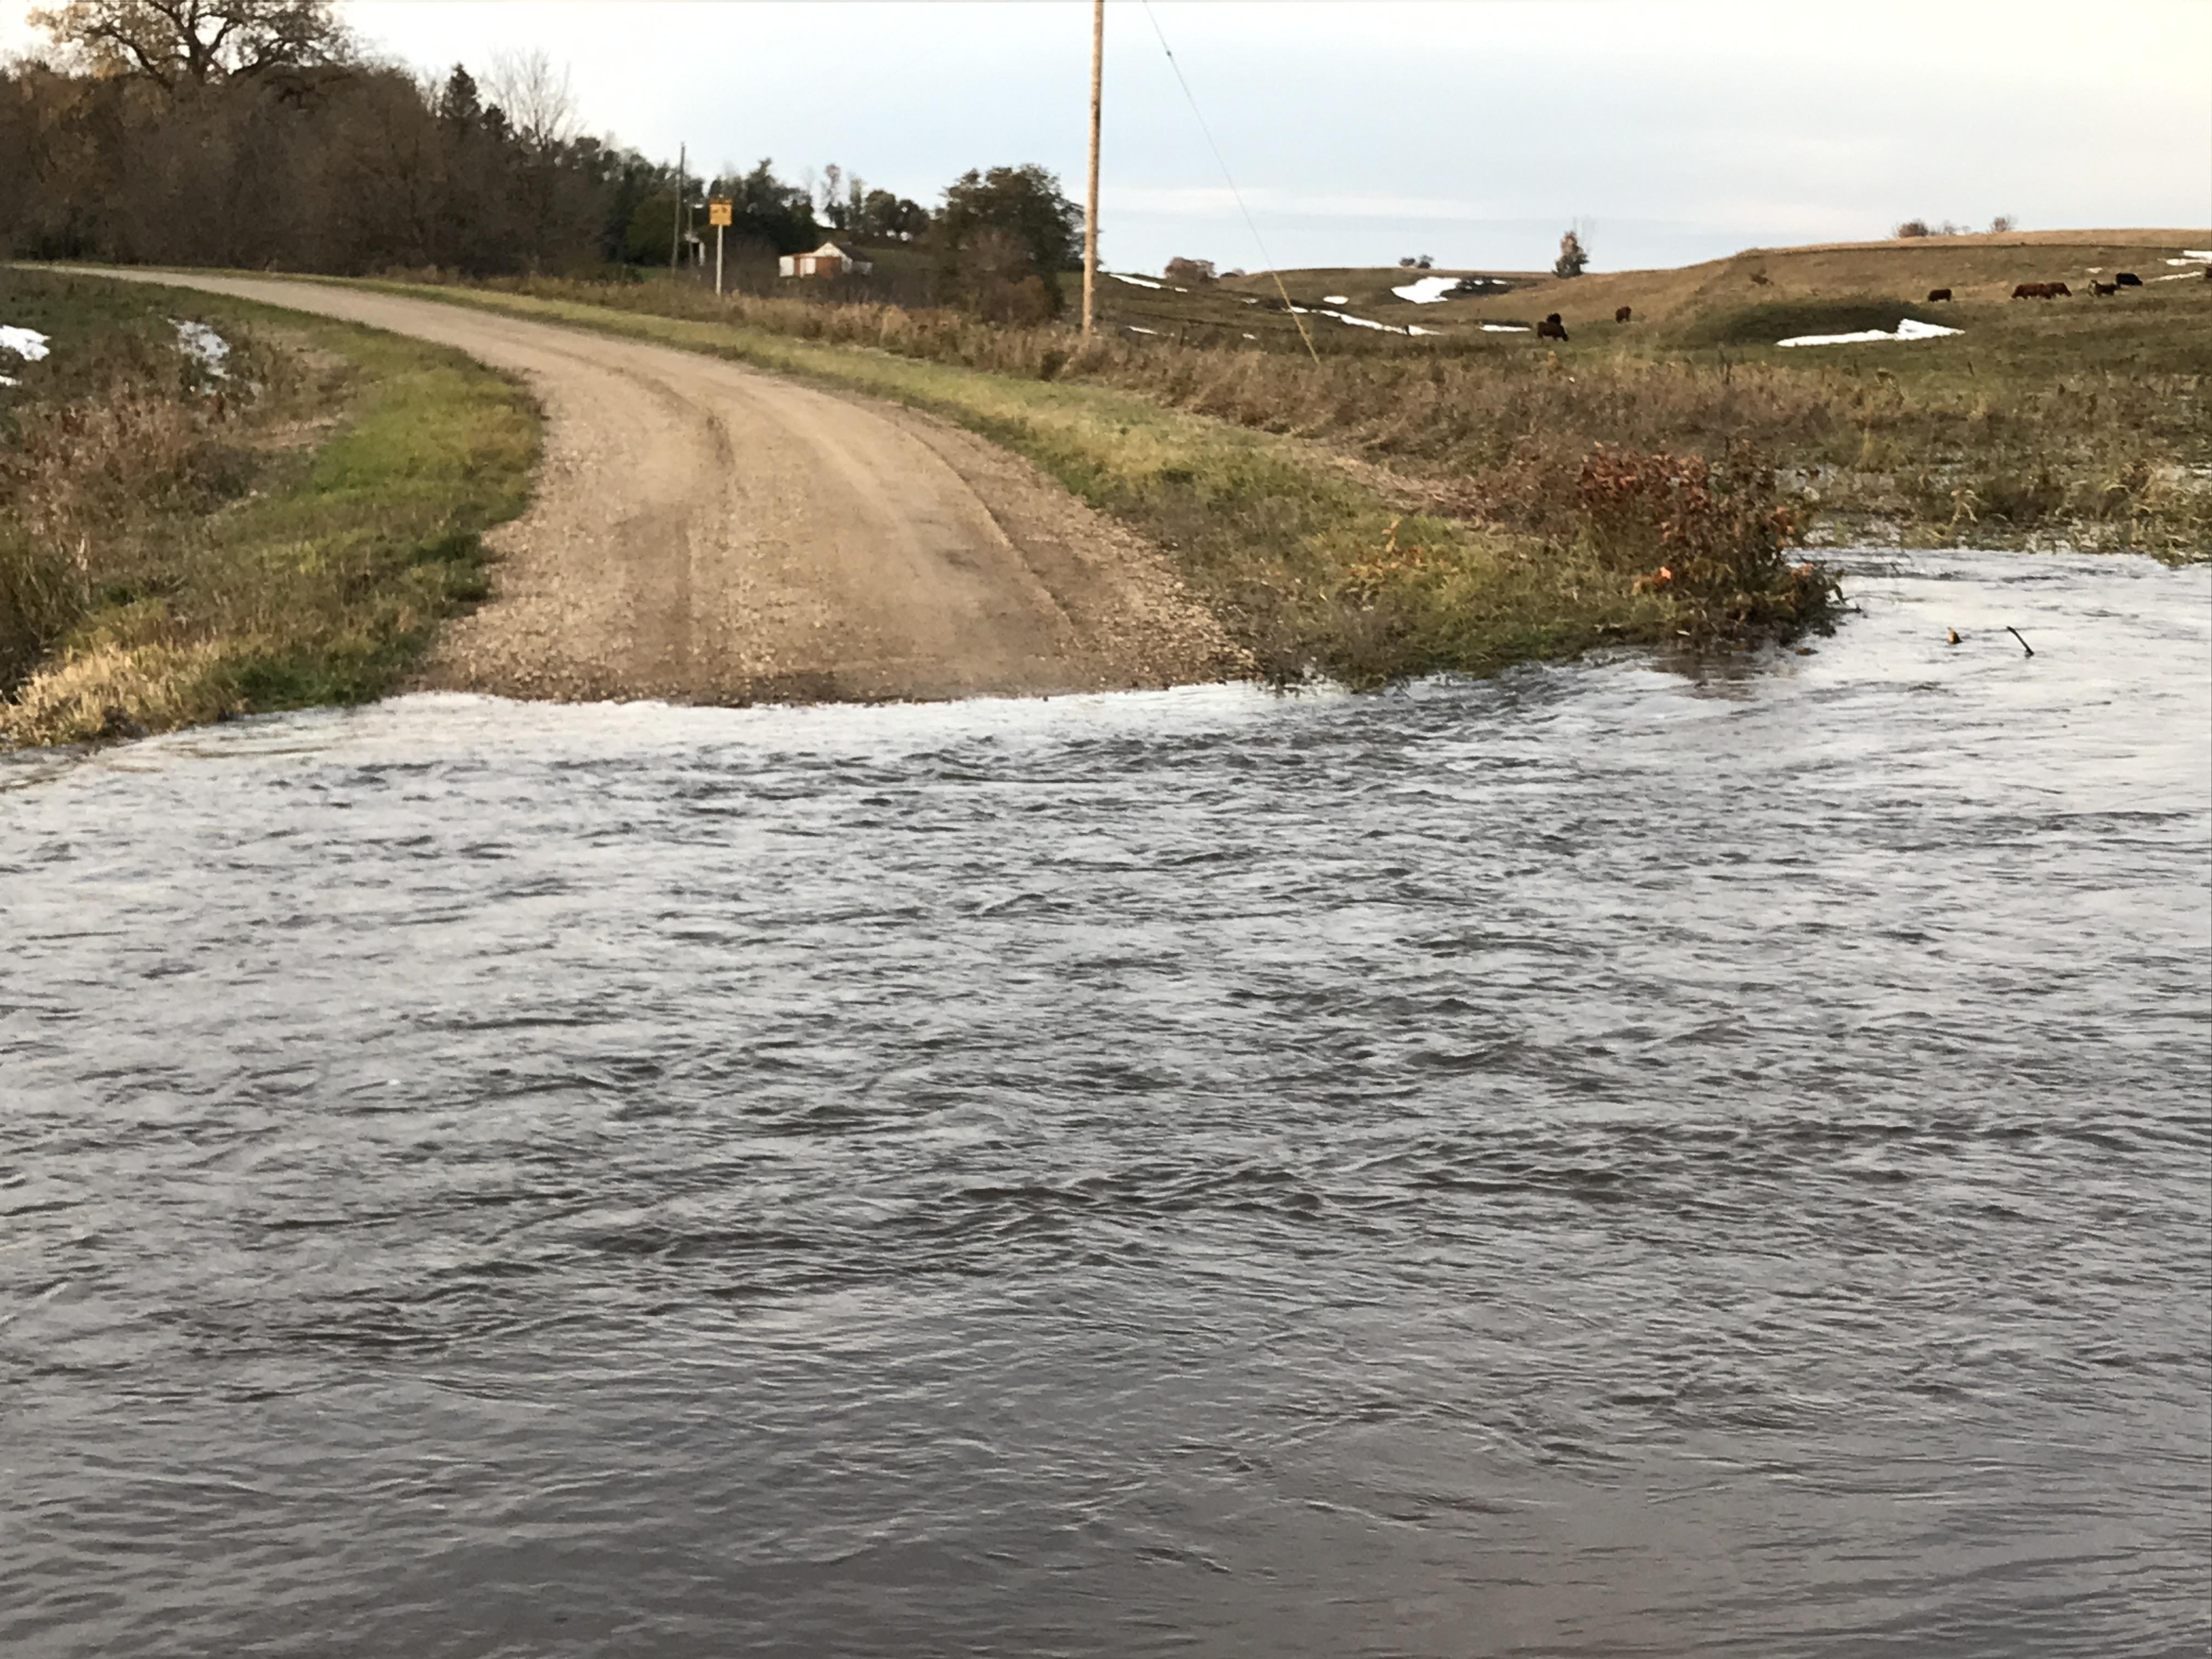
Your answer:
<point x="1598" y="1163"/>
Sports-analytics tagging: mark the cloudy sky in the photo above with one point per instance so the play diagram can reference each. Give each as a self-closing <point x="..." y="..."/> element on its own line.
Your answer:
<point x="1471" y="130"/>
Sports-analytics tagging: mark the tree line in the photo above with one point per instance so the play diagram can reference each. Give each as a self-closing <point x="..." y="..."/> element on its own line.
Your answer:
<point x="259" y="134"/>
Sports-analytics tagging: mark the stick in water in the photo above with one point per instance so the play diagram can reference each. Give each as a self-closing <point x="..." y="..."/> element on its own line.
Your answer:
<point x="2024" y="645"/>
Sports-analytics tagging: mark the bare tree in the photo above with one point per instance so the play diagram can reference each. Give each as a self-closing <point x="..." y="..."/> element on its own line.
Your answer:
<point x="172" y="42"/>
<point x="539" y="102"/>
<point x="1573" y="256"/>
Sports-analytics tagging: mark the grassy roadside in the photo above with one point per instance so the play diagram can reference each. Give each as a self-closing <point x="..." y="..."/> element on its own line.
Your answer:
<point x="1316" y="563"/>
<point x="178" y="546"/>
<point x="2086" y="424"/>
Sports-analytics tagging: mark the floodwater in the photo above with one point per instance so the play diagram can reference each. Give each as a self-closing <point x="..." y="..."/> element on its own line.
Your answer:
<point x="1599" y="1163"/>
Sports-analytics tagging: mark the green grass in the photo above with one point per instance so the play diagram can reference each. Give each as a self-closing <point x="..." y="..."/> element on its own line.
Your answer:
<point x="218" y="558"/>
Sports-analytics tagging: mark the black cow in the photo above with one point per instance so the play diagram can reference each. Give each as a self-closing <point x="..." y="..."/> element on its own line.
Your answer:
<point x="1627" y="314"/>
<point x="1551" y="328"/>
<point x="1936" y="294"/>
<point x="2127" y="279"/>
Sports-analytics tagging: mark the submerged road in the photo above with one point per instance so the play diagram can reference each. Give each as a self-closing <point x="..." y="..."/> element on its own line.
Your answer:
<point x="706" y="532"/>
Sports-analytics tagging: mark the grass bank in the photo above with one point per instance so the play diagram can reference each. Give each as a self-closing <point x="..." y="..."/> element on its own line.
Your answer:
<point x="1316" y="562"/>
<point x="179" y="545"/>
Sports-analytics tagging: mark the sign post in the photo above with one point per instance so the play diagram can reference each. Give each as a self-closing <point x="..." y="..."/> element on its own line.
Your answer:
<point x="718" y="215"/>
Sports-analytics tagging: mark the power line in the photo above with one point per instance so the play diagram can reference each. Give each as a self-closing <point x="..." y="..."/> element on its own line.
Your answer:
<point x="1258" y="241"/>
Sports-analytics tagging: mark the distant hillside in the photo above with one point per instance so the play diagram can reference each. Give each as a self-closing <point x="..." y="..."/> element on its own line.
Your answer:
<point x="1974" y="268"/>
<point x="1737" y="301"/>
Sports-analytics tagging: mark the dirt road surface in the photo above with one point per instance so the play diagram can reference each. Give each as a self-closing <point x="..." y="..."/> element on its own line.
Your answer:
<point x="704" y="532"/>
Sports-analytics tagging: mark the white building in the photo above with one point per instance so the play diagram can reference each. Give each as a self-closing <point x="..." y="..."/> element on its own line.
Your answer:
<point x="827" y="260"/>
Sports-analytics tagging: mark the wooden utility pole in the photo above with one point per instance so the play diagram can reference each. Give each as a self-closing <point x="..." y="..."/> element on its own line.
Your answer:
<point x="676" y="219"/>
<point x="1091" y="204"/>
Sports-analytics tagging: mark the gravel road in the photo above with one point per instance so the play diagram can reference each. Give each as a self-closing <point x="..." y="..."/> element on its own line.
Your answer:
<point x="705" y="533"/>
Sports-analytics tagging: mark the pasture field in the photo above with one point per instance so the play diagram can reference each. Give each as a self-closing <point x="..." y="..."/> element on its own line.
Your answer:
<point x="1677" y="309"/>
<point x="2084" y="420"/>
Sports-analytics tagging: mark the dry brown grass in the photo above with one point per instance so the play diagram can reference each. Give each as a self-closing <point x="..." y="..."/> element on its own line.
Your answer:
<point x="86" y="478"/>
<point x="174" y="550"/>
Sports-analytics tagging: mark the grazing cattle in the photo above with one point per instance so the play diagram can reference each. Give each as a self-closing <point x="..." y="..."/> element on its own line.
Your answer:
<point x="2098" y="290"/>
<point x="1936" y="294"/>
<point x="2043" y="291"/>
<point x="1627" y="313"/>
<point x="2058" y="291"/>
<point x="1551" y="328"/>
<point x="2127" y="279"/>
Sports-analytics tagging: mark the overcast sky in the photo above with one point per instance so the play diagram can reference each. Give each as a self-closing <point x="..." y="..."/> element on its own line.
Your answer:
<point x="1474" y="130"/>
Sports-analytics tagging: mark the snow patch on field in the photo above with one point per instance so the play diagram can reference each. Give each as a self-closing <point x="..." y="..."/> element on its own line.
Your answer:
<point x="1336" y="299"/>
<point x="2191" y="259"/>
<point x="1135" y="282"/>
<point x="26" y="343"/>
<point x="1134" y="329"/>
<point x="9" y="379"/>
<point x="1505" y="328"/>
<point x="2204" y="253"/>
<point x="1350" y="320"/>
<point x="1908" y="329"/>
<point x="205" y="347"/>
<point x="1430" y="290"/>
<point x="2179" y="277"/>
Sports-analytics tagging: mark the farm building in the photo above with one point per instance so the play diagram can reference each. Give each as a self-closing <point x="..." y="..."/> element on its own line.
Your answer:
<point x="827" y="260"/>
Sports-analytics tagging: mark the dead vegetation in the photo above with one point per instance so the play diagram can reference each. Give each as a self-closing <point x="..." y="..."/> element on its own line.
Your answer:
<point x="91" y="475"/>
<point x="176" y="548"/>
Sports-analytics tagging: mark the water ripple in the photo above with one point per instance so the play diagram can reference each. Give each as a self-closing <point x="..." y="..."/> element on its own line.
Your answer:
<point x="1613" y="1160"/>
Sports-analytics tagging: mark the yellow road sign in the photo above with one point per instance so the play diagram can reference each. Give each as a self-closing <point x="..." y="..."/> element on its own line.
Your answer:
<point x="718" y="210"/>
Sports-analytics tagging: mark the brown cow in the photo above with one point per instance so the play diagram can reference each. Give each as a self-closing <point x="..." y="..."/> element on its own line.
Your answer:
<point x="2127" y="279"/>
<point x="2058" y="291"/>
<point x="2098" y="290"/>
<point x="1551" y="328"/>
<point x="1627" y="313"/>
<point x="1936" y="294"/>
<point x="2029" y="291"/>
